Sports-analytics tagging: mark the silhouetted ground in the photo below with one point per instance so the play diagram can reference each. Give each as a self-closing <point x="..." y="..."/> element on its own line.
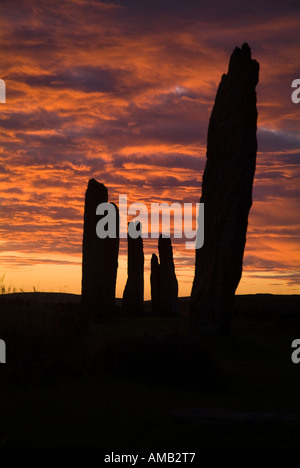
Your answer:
<point x="139" y="382"/>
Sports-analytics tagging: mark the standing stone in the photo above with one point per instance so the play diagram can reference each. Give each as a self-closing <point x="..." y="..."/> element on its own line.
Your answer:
<point x="133" y="297"/>
<point x="99" y="256"/>
<point x="226" y="194"/>
<point x="155" y="285"/>
<point x="164" y="285"/>
<point x="168" y="280"/>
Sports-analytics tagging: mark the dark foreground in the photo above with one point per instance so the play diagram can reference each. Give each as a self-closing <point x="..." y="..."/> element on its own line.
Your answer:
<point x="139" y="383"/>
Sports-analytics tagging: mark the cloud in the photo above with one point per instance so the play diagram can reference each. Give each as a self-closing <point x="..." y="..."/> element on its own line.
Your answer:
<point x="277" y="140"/>
<point x="122" y="91"/>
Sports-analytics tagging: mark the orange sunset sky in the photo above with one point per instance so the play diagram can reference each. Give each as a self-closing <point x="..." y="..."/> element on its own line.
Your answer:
<point x="122" y="91"/>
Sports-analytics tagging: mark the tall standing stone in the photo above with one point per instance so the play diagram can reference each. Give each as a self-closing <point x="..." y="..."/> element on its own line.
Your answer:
<point x="99" y="256"/>
<point x="168" y="280"/>
<point x="133" y="297"/>
<point x="226" y="194"/>
<point x="155" y="285"/>
<point x="164" y="285"/>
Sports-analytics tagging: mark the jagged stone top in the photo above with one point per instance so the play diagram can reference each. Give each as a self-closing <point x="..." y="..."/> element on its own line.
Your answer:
<point x="235" y="103"/>
<point x="96" y="189"/>
<point x="241" y="64"/>
<point x="165" y="247"/>
<point x="154" y="259"/>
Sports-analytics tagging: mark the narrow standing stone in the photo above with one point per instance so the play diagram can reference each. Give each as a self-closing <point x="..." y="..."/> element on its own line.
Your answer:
<point x="155" y="285"/>
<point x="133" y="297"/>
<point x="99" y="256"/>
<point x="226" y="194"/>
<point x="168" y="280"/>
<point x="164" y="285"/>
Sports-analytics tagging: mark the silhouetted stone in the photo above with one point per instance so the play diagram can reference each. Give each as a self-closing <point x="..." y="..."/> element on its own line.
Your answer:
<point x="164" y="285"/>
<point x="226" y="194"/>
<point x="155" y="285"/>
<point x="133" y="297"/>
<point x="168" y="280"/>
<point x="99" y="256"/>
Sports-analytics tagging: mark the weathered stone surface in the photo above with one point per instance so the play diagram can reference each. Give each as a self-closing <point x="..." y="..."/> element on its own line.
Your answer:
<point x="133" y="297"/>
<point x="99" y="256"/>
<point x="155" y="285"/>
<point x="226" y="194"/>
<point x="168" y="280"/>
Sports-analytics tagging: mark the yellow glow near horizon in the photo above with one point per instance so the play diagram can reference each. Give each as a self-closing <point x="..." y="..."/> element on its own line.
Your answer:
<point x="67" y="279"/>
